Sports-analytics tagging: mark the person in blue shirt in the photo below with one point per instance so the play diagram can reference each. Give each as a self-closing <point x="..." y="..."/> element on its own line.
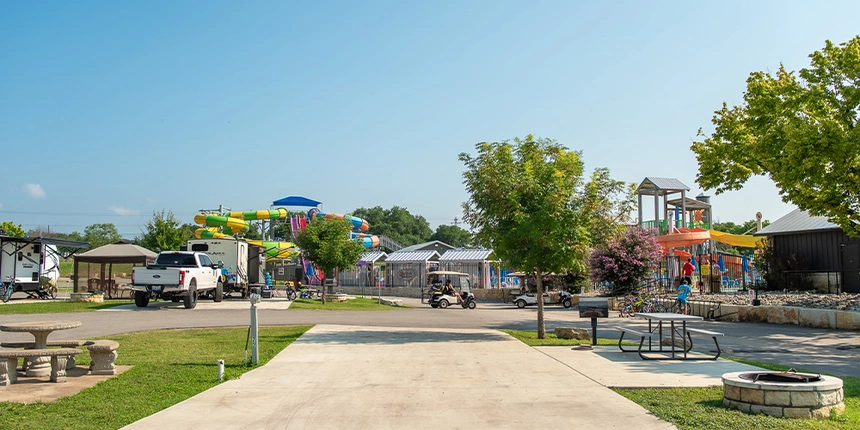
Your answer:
<point x="683" y="292"/>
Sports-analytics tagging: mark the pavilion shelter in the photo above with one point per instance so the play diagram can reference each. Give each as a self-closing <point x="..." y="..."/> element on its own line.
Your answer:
<point x="475" y="262"/>
<point x="106" y="256"/>
<point x="410" y="268"/>
<point x="367" y="273"/>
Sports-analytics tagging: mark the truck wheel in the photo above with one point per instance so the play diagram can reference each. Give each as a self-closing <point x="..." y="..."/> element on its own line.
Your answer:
<point x="567" y="303"/>
<point x="219" y="292"/>
<point x="141" y="298"/>
<point x="191" y="296"/>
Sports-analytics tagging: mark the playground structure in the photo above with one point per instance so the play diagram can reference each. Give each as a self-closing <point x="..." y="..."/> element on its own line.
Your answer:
<point x="685" y="231"/>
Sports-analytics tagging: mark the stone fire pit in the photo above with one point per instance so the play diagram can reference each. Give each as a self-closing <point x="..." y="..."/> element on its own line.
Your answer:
<point x="783" y="394"/>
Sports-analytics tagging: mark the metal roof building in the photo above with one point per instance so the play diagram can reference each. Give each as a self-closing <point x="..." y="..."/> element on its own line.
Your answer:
<point x="475" y="262"/>
<point x="409" y="268"/>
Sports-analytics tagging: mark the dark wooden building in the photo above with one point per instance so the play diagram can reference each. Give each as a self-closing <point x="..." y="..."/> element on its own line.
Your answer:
<point x="814" y="250"/>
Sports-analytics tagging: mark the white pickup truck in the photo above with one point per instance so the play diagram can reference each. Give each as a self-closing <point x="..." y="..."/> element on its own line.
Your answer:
<point x="177" y="275"/>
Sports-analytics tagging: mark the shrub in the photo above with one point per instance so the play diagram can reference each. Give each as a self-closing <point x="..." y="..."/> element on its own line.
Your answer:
<point x="626" y="262"/>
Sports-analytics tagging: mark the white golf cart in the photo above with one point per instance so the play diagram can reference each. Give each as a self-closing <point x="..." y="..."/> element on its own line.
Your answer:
<point x="441" y="299"/>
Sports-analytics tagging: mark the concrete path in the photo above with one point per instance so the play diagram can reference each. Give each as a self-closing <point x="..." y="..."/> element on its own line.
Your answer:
<point x="337" y="377"/>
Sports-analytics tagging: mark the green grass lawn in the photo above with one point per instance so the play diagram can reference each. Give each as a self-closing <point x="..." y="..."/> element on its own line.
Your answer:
<point x="169" y="367"/>
<point x="702" y="408"/>
<point x="58" y="307"/>
<point x="358" y="304"/>
<point x="530" y="338"/>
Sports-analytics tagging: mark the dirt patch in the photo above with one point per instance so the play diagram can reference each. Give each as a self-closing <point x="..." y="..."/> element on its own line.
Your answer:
<point x="30" y="389"/>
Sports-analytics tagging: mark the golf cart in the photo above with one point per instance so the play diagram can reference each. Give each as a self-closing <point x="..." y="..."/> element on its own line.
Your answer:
<point x="549" y="298"/>
<point x="439" y="298"/>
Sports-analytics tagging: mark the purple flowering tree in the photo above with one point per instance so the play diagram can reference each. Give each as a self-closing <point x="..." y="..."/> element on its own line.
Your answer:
<point x="626" y="262"/>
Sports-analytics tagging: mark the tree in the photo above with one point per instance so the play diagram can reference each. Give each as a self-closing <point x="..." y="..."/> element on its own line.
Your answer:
<point x="396" y="223"/>
<point x="12" y="229"/>
<point x="327" y="244"/>
<point x="607" y="205"/>
<point x="163" y="233"/>
<point x="101" y="234"/>
<point x="800" y="130"/>
<point x="453" y="235"/>
<point x="524" y="204"/>
<point x="627" y="261"/>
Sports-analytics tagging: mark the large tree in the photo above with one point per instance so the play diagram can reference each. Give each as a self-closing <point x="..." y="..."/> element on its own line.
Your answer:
<point x="524" y="204"/>
<point x="163" y="233"/>
<point x="607" y="205"/>
<point x="396" y="223"/>
<point x="453" y="235"/>
<point x="327" y="244"/>
<point x="800" y="129"/>
<point x="101" y="234"/>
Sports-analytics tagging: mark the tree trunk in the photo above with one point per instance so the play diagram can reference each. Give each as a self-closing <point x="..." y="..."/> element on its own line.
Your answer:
<point x="541" y="326"/>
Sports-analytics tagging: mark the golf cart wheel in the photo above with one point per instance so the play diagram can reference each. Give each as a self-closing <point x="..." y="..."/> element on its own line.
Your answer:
<point x="521" y="304"/>
<point x="141" y="298"/>
<point x="472" y="305"/>
<point x="567" y="303"/>
<point x="443" y="304"/>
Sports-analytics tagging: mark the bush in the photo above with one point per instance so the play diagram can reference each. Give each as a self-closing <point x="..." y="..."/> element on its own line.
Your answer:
<point x="626" y="262"/>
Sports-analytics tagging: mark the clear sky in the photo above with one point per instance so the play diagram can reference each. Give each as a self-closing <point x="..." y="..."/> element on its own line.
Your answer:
<point x="112" y="110"/>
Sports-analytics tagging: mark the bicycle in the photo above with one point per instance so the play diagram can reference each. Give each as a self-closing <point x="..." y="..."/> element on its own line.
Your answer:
<point x="6" y="291"/>
<point x="626" y="308"/>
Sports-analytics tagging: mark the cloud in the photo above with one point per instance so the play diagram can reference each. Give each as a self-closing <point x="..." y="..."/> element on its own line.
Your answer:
<point x="118" y="210"/>
<point x="35" y="191"/>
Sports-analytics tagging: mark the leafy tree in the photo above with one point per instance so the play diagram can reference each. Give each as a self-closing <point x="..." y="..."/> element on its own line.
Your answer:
<point x="327" y="244"/>
<point x="800" y="129"/>
<point x="627" y="262"/>
<point x="396" y="223"/>
<point x="101" y="234"/>
<point x="12" y="229"/>
<point x="524" y="205"/>
<point x="607" y="205"/>
<point x="453" y="235"/>
<point x="163" y="233"/>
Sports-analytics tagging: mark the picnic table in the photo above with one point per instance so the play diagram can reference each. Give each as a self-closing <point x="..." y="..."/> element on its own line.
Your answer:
<point x="673" y="352"/>
<point x="39" y="366"/>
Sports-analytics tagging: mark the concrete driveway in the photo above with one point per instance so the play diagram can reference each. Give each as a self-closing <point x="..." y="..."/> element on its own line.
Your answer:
<point x="337" y="377"/>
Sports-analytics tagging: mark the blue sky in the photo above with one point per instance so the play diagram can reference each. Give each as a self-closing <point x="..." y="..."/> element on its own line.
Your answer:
<point x="112" y="110"/>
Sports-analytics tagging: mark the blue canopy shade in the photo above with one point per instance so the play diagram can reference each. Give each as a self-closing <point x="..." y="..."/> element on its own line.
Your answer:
<point x="296" y="201"/>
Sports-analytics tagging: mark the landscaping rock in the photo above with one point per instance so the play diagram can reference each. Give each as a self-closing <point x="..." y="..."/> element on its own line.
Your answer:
<point x="572" y="333"/>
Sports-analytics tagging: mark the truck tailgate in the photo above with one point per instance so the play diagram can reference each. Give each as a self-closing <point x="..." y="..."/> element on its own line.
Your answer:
<point x="156" y="276"/>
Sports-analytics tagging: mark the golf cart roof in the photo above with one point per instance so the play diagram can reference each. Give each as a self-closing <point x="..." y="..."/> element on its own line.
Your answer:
<point x="447" y="273"/>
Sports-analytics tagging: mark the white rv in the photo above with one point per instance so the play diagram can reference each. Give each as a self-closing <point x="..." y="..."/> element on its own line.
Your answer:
<point x="243" y="263"/>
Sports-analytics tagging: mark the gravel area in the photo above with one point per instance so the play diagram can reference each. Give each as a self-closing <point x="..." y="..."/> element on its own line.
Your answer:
<point x="803" y="299"/>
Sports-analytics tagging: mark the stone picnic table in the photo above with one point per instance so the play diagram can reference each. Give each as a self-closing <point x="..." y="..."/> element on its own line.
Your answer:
<point x="40" y="331"/>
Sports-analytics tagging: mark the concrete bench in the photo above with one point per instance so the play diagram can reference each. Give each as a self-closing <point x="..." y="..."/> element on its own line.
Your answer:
<point x="59" y="356"/>
<point x="102" y="352"/>
<point x="712" y="334"/>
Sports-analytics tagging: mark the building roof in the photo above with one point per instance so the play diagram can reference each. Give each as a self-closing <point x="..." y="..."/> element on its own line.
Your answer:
<point x="373" y="257"/>
<point x="466" y="255"/>
<point x="690" y="204"/>
<point x="296" y="201"/>
<point x="117" y="252"/>
<point x="661" y="186"/>
<point x="797" y="221"/>
<point x="435" y="244"/>
<point x="412" y="256"/>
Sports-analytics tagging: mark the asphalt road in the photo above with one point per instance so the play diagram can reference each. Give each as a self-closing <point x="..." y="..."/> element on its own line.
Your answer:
<point x="820" y="350"/>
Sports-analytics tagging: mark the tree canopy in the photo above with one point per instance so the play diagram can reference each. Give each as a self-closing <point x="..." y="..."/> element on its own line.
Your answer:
<point x="101" y="234"/>
<point x="12" y="229"/>
<point x="607" y="205"/>
<point x="453" y="235"/>
<point x="524" y="205"/>
<point x="163" y="233"/>
<point x="800" y="129"/>
<point x="327" y="244"/>
<point x="396" y="223"/>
